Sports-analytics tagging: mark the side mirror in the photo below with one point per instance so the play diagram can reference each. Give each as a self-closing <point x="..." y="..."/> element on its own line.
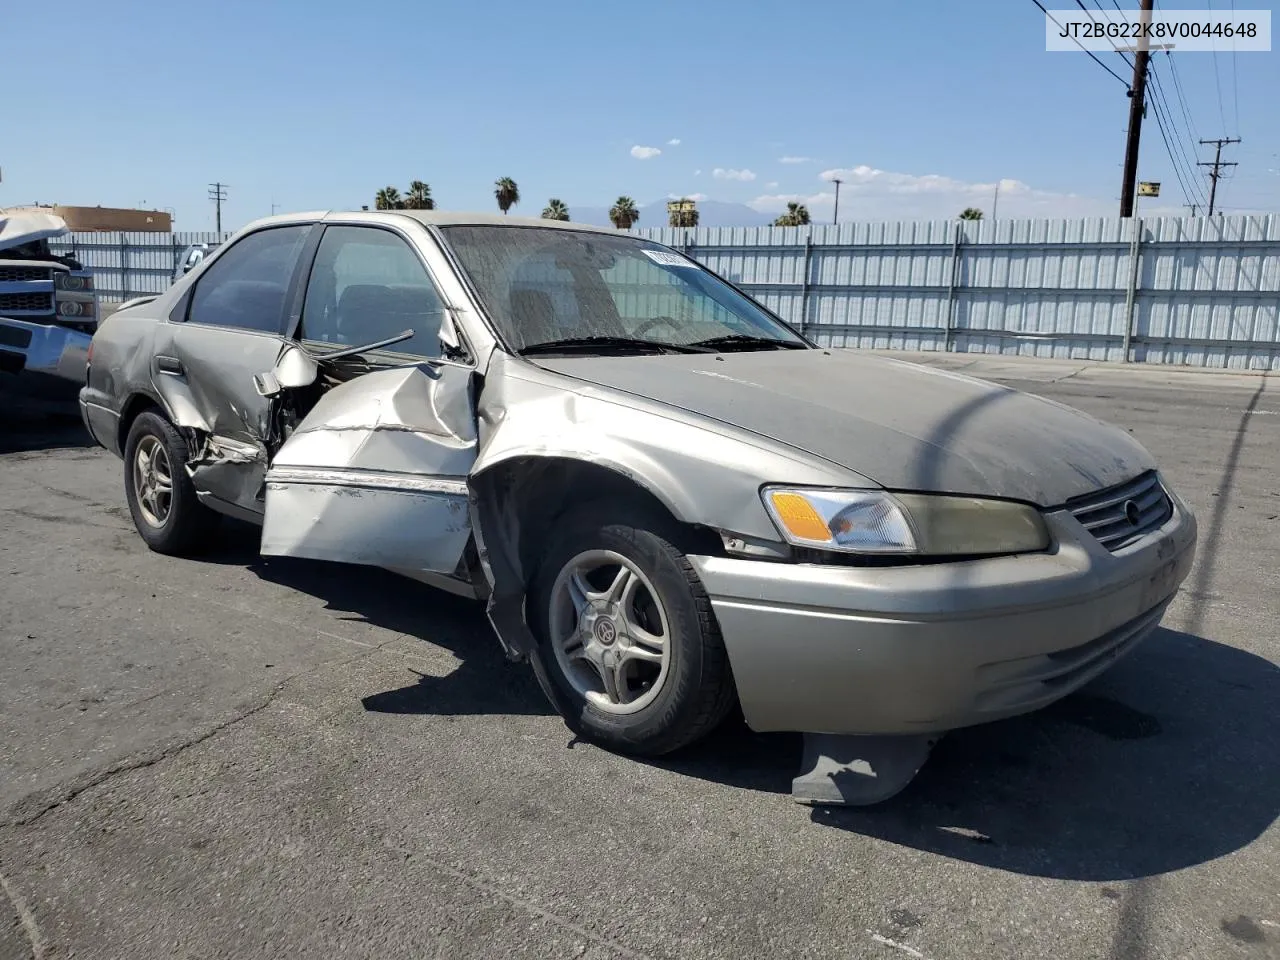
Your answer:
<point x="193" y="258"/>
<point x="295" y="368"/>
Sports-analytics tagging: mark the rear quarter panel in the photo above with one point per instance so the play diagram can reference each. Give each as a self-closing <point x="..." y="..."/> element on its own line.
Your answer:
<point x="120" y="370"/>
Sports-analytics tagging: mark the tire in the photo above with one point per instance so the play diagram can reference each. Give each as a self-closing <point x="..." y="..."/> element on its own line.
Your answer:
<point x="661" y="711"/>
<point x="177" y="524"/>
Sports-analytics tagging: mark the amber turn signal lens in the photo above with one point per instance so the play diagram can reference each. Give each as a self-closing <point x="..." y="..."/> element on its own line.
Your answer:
<point x="799" y="517"/>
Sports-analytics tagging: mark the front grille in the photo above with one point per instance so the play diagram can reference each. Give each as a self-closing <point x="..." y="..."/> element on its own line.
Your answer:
<point x="42" y="302"/>
<point x="24" y="273"/>
<point x="1120" y="515"/>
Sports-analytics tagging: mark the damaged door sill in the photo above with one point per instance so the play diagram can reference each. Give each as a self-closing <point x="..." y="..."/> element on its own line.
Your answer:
<point x="230" y="509"/>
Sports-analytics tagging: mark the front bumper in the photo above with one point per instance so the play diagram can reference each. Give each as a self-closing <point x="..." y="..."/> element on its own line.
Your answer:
<point x="928" y="648"/>
<point x="44" y="354"/>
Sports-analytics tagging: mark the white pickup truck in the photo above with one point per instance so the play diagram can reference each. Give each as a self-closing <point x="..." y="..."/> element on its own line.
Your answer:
<point x="48" y="308"/>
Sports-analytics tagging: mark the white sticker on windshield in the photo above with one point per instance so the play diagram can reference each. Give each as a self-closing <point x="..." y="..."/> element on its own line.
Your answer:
<point x="669" y="259"/>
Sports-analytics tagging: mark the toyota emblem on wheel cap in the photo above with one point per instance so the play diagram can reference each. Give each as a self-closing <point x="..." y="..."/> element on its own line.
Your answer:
<point x="606" y="632"/>
<point x="1132" y="513"/>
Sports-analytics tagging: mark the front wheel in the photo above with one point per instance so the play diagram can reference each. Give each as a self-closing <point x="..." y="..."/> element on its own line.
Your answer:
<point x="629" y="651"/>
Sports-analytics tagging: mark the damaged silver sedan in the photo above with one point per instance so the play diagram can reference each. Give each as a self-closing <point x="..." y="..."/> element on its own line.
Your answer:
<point x="667" y="497"/>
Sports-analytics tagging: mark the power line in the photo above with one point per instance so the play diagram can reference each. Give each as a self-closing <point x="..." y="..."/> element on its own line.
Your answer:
<point x="1235" y="87"/>
<point x="1217" y="82"/>
<point x="1187" y="193"/>
<point x="1182" y="99"/>
<point x="1080" y="3"/>
<point x="1081" y="45"/>
<point x="1177" y="170"/>
<point x="1160" y="101"/>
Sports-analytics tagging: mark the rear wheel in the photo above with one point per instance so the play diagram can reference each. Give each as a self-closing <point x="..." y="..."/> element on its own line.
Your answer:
<point x="628" y="650"/>
<point x="166" y="512"/>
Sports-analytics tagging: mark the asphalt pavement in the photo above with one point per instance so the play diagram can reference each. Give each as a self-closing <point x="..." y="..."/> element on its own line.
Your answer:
<point x="246" y="757"/>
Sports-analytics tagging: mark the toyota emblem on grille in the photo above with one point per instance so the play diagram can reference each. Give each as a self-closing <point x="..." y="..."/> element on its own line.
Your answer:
<point x="1132" y="513"/>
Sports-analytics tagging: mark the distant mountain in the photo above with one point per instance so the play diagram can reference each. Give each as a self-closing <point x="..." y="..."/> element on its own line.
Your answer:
<point x="711" y="213"/>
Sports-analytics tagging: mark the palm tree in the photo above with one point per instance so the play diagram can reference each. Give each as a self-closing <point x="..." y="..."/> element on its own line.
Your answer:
<point x="624" y="213"/>
<point x="686" y="215"/>
<point x="555" y="210"/>
<point x="419" y="196"/>
<point x="797" y="215"/>
<point x="507" y="193"/>
<point x="970" y="213"/>
<point x="388" y="198"/>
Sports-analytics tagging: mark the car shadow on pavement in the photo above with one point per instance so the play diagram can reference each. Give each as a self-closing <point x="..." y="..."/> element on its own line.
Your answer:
<point x="484" y="682"/>
<point x="1164" y="762"/>
<point x="23" y="431"/>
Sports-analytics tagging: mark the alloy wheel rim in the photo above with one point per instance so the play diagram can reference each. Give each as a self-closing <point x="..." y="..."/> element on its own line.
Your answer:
<point x="610" y="632"/>
<point x="153" y="481"/>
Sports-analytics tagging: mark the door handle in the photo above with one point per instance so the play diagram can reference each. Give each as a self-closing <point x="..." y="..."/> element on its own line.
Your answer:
<point x="171" y="365"/>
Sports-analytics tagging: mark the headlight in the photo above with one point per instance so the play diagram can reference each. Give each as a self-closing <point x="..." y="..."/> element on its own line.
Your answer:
<point x="873" y="521"/>
<point x="71" y="281"/>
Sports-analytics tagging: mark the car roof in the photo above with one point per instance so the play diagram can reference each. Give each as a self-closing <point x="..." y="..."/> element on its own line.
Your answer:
<point x="436" y="218"/>
<point x="448" y="218"/>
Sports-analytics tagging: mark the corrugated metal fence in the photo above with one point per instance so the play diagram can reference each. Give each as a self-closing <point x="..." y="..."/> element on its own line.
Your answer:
<point x="1193" y="290"/>
<point x="127" y="265"/>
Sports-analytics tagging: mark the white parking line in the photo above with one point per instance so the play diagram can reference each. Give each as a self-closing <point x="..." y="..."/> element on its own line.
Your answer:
<point x="909" y="951"/>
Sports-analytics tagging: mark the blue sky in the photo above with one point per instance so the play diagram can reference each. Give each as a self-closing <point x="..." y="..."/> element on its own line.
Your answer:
<point x="316" y="104"/>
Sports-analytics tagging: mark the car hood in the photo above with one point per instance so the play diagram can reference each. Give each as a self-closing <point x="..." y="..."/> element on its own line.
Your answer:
<point x="19" y="228"/>
<point x="903" y="425"/>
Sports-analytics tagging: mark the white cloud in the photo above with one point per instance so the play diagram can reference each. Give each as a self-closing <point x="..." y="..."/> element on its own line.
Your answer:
<point x="795" y="159"/>
<point x="772" y="184"/>
<point x="644" y="153"/>
<point x="695" y="197"/>
<point x="868" y="193"/>
<point x="697" y="173"/>
<point x="674" y="143"/>
<point x="890" y="182"/>
<point x="777" y="202"/>
<point x="720" y="173"/>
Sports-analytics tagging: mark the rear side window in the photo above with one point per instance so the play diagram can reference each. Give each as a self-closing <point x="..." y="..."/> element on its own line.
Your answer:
<point x="247" y="286"/>
<point x="368" y="285"/>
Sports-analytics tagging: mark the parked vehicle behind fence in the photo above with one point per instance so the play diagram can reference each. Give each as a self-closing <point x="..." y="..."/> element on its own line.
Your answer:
<point x="668" y="499"/>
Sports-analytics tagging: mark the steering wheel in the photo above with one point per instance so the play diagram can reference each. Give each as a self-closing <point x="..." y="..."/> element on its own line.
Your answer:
<point x="652" y="322"/>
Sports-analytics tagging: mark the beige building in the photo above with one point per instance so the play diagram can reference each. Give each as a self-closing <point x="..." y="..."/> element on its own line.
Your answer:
<point x="105" y="218"/>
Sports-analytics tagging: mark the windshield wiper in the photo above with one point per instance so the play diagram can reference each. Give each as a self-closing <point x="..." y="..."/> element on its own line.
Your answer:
<point x="363" y="348"/>
<point x="595" y="344"/>
<point x="733" y="340"/>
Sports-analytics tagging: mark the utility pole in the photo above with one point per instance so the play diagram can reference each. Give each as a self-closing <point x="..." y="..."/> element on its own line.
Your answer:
<point x="1137" y="107"/>
<point x="1192" y="207"/>
<point x="218" y="193"/>
<point x="1214" y="174"/>
<point x="835" y="217"/>
<point x="995" y="201"/>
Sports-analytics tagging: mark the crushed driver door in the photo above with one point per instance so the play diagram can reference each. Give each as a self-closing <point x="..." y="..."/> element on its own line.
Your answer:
<point x="376" y="473"/>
